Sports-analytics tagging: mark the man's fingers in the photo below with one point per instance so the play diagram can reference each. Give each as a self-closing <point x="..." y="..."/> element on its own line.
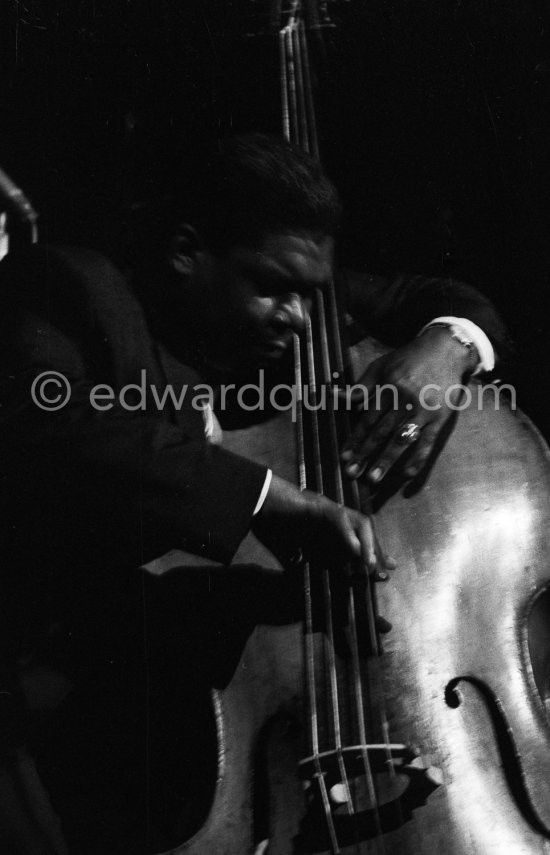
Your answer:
<point x="371" y="405"/>
<point x="418" y="455"/>
<point x="360" y="433"/>
<point x="377" y="442"/>
<point x="422" y="451"/>
<point x="384" y="447"/>
<point x="385" y="561"/>
<point x="418" y="450"/>
<point x="367" y="542"/>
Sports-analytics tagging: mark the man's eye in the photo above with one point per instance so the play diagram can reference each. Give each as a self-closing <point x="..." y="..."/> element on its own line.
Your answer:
<point x="270" y="289"/>
<point x="267" y="289"/>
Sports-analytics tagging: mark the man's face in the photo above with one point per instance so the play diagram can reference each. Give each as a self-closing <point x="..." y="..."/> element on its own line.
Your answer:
<point x="252" y="299"/>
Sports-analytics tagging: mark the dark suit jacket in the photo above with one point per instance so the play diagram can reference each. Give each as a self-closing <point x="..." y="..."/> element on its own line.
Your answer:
<point x="85" y="494"/>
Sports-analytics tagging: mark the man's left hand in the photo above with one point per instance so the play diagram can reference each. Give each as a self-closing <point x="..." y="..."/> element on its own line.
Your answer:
<point x="412" y="392"/>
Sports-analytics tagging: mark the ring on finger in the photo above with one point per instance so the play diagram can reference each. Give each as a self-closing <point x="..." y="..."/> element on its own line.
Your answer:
<point x="408" y="434"/>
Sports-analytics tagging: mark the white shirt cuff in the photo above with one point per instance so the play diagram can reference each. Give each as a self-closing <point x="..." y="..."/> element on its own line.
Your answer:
<point x="475" y="334"/>
<point x="263" y="494"/>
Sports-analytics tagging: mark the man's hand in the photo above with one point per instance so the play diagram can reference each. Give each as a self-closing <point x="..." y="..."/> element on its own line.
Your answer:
<point x="419" y="377"/>
<point x="291" y="519"/>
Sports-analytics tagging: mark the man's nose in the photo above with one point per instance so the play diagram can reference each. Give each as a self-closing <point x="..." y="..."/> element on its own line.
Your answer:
<point x="291" y="313"/>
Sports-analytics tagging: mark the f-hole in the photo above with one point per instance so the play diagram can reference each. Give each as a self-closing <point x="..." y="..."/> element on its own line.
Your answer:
<point x="538" y="641"/>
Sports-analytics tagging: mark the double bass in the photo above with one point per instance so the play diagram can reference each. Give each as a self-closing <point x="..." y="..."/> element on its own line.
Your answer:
<point x="335" y="737"/>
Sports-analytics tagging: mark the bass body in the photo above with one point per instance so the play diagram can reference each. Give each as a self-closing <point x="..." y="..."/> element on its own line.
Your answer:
<point x="462" y="758"/>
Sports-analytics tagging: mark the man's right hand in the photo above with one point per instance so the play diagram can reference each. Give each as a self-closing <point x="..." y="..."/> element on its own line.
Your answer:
<point x="291" y="519"/>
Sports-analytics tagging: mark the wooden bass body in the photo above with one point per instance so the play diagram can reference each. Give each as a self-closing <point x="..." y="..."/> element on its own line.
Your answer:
<point x="469" y="599"/>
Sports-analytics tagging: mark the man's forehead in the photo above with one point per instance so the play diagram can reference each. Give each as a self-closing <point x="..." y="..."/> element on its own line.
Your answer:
<point x="304" y="255"/>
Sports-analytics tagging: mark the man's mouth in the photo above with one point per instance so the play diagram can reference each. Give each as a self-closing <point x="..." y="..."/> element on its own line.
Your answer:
<point x="274" y="350"/>
<point x="278" y="345"/>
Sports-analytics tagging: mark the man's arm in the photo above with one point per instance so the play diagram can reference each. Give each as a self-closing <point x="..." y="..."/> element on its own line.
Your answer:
<point x="136" y="477"/>
<point x="395" y="310"/>
<point x="130" y="481"/>
<point x="425" y="374"/>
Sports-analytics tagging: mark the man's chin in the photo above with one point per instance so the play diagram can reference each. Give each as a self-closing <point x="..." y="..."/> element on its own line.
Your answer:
<point x="260" y="358"/>
<point x="271" y="353"/>
<point x="269" y="360"/>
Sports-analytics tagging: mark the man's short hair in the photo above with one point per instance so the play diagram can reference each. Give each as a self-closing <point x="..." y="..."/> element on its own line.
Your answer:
<point x="257" y="184"/>
<point x="240" y="190"/>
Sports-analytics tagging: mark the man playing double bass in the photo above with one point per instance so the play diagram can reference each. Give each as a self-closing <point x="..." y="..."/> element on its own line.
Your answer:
<point x="105" y="469"/>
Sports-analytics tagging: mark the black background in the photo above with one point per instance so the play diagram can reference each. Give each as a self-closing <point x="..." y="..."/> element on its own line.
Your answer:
<point x="434" y="123"/>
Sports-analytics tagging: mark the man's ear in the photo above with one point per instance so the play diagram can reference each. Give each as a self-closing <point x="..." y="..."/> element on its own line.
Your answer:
<point x="183" y="249"/>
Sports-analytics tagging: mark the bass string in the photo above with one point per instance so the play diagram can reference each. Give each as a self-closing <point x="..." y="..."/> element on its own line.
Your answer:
<point x="313" y="142"/>
<point x="296" y="89"/>
<point x="340" y="373"/>
<point x="311" y="668"/>
<point x="336" y="472"/>
<point x="298" y="99"/>
<point x="289" y="47"/>
<point x="329" y="648"/>
<point x="375" y="677"/>
<point x="295" y="73"/>
<point x="291" y="84"/>
<point x="302" y="123"/>
<point x="285" y="100"/>
<point x="359" y="690"/>
<point x="308" y="635"/>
